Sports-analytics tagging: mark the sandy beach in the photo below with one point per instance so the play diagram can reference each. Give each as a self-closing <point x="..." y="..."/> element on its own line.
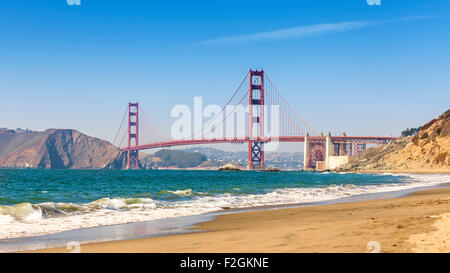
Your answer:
<point x="419" y="222"/>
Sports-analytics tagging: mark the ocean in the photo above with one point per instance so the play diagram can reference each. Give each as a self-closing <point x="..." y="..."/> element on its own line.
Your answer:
<point x="38" y="202"/>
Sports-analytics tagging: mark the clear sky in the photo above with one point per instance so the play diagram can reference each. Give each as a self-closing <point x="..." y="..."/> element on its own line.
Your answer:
<point x="343" y="65"/>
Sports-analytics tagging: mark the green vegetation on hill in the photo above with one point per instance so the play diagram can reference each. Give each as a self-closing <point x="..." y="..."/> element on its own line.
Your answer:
<point x="180" y="159"/>
<point x="411" y="132"/>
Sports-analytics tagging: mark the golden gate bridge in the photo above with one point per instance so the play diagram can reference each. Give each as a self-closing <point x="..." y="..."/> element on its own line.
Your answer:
<point x="140" y="133"/>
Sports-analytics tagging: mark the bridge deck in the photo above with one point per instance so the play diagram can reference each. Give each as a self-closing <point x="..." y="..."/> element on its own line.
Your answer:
<point x="334" y="139"/>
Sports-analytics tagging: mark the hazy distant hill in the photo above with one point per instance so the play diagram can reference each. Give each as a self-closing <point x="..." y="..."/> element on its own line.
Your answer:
<point x="281" y="160"/>
<point x="57" y="149"/>
<point x="172" y="158"/>
<point x="219" y="155"/>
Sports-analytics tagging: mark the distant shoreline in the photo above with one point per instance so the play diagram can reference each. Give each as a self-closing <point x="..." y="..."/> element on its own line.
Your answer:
<point x="413" y="171"/>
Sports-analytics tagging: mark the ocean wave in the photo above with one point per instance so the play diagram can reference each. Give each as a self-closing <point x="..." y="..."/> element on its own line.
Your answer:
<point x="36" y="219"/>
<point x="23" y="212"/>
<point x="186" y="192"/>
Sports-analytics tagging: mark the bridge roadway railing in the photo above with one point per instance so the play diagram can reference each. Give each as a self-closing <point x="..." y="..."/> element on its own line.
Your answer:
<point x="335" y="139"/>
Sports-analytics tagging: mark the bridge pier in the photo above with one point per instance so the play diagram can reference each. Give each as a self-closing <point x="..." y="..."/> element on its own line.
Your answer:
<point x="133" y="135"/>
<point x="320" y="153"/>
<point x="358" y="148"/>
<point x="306" y="152"/>
<point x="256" y="155"/>
<point x="329" y="150"/>
<point x="314" y="153"/>
<point x="255" y="119"/>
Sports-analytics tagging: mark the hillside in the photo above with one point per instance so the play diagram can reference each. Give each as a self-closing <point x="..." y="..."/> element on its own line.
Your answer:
<point x="429" y="149"/>
<point x="172" y="158"/>
<point x="57" y="149"/>
<point x="282" y="160"/>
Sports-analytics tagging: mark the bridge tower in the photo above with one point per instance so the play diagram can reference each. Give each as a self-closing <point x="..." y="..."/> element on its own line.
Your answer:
<point x="133" y="135"/>
<point x="255" y="119"/>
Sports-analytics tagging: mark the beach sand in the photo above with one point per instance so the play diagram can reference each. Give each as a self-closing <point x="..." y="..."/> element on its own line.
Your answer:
<point x="416" y="223"/>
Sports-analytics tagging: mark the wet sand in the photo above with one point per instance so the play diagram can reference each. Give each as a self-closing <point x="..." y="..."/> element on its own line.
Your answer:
<point x="416" y="223"/>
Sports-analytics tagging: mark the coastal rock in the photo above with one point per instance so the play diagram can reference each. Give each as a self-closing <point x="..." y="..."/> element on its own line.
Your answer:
<point x="429" y="149"/>
<point x="229" y="167"/>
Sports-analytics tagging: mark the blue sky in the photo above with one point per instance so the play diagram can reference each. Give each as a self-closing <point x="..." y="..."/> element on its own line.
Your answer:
<point x="343" y="65"/>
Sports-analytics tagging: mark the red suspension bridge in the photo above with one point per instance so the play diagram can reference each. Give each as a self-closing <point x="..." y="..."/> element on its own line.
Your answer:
<point x="254" y="100"/>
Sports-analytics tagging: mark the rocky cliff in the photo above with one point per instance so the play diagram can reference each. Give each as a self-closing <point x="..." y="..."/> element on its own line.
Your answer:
<point x="57" y="149"/>
<point x="429" y="149"/>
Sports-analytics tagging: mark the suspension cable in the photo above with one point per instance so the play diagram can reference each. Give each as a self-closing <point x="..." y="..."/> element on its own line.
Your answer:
<point x="223" y="108"/>
<point x="292" y="122"/>
<point x="290" y="108"/>
<point x="159" y="133"/>
<point x="123" y="119"/>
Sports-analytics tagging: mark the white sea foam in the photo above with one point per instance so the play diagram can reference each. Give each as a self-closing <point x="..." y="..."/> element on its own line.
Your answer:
<point x="30" y="220"/>
<point x="186" y="192"/>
